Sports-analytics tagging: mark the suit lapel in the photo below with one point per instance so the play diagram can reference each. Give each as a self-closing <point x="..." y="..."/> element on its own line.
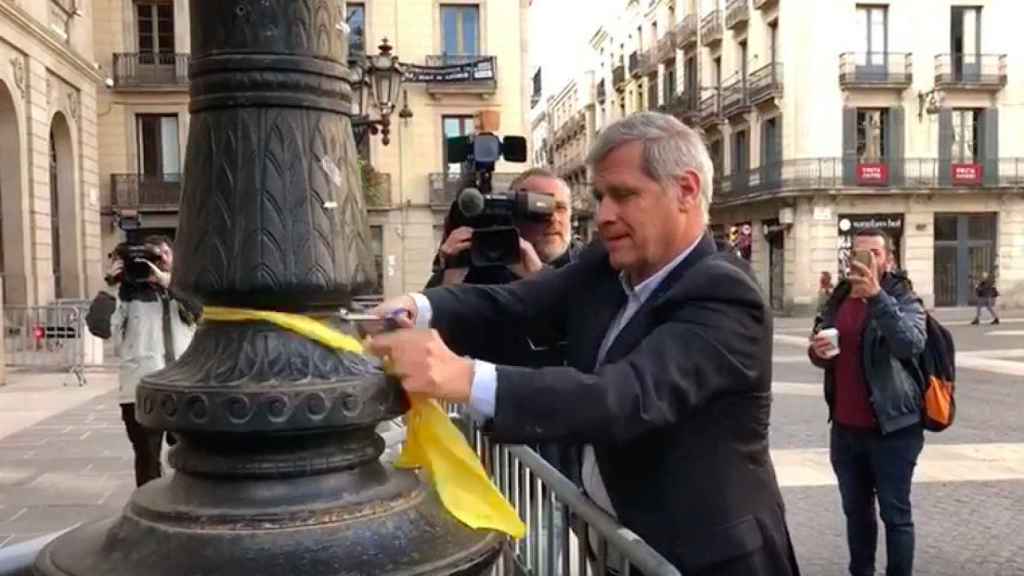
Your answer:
<point x="639" y="326"/>
<point x="606" y="301"/>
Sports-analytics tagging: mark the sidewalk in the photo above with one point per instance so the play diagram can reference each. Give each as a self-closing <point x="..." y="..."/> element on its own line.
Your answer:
<point x="64" y="458"/>
<point x="949" y="316"/>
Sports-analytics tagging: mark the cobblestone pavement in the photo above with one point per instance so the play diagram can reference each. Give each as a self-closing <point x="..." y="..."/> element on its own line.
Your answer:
<point x="75" y="465"/>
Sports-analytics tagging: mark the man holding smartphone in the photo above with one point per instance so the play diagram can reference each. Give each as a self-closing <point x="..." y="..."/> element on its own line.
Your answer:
<point x="874" y="400"/>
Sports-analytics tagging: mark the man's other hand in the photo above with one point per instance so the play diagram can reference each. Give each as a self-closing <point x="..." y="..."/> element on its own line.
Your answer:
<point x="157" y="277"/>
<point x="425" y="364"/>
<point x="458" y="241"/>
<point x="401" y="308"/>
<point x="863" y="280"/>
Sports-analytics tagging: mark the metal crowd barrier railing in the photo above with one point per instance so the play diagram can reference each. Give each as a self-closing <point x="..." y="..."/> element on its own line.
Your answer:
<point x="51" y="337"/>
<point x="567" y="534"/>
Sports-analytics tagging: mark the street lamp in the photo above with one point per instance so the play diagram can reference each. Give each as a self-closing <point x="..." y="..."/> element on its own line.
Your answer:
<point x="378" y="80"/>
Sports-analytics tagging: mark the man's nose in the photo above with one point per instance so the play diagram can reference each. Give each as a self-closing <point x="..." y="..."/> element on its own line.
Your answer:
<point x="607" y="213"/>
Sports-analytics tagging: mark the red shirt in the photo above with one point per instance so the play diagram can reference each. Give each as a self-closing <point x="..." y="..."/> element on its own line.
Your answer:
<point x="852" y="396"/>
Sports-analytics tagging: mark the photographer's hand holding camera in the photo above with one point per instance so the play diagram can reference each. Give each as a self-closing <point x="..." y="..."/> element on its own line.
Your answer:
<point x="153" y="324"/>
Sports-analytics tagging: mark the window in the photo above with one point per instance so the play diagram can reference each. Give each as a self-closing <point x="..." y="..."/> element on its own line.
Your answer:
<point x="770" y="152"/>
<point x="872" y="24"/>
<point x="455" y="126"/>
<point x="460" y="30"/>
<point x="155" y="24"/>
<point x="741" y="153"/>
<point x="773" y="41"/>
<point x="742" y="55"/>
<point x="871" y="129"/>
<point x="355" y="17"/>
<point x="690" y="73"/>
<point x="537" y="88"/>
<point x="54" y="218"/>
<point x="670" y="82"/>
<point x="965" y="40"/>
<point x="377" y="248"/>
<point x="965" y="136"/>
<point x="159" y="152"/>
<point x="716" y="72"/>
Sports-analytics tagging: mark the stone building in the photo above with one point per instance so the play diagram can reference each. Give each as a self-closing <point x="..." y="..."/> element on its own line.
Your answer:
<point x="49" y="186"/>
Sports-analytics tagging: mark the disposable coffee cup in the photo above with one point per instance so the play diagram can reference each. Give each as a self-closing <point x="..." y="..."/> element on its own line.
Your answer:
<point x="832" y="335"/>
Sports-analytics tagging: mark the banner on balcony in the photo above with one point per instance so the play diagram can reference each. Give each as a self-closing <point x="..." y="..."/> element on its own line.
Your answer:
<point x="482" y="69"/>
<point x="967" y="174"/>
<point x="873" y="174"/>
<point x="850" y="224"/>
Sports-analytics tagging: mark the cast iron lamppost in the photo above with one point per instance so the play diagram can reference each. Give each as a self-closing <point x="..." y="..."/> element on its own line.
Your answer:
<point x="276" y="468"/>
<point x="378" y="81"/>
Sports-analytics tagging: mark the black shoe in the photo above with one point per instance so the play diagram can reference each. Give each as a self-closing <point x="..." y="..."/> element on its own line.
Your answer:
<point x="996" y="321"/>
<point x="974" y="322"/>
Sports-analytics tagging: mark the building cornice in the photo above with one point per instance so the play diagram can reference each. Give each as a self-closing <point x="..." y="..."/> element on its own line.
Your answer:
<point x="19" y="17"/>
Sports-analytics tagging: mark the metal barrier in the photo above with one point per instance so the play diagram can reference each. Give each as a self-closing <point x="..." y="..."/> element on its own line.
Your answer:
<point x="567" y="534"/>
<point x="50" y="338"/>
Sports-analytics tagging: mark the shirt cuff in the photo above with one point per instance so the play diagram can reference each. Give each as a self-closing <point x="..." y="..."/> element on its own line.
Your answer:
<point x="424" y="312"/>
<point x="484" y="391"/>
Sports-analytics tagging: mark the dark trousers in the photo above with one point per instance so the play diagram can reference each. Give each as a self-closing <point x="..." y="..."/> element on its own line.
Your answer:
<point x="146" y="443"/>
<point x="869" y="465"/>
<point x="987" y="303"/>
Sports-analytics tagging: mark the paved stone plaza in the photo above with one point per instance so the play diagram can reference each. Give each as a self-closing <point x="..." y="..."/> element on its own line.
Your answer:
<point x="64" y="459"/>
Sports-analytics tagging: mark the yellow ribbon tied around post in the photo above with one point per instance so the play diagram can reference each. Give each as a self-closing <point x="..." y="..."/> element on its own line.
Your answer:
<point x="432" y="442"/>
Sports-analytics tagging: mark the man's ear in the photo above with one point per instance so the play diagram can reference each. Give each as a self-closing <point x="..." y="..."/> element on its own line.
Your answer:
<point x="688" y="189"/>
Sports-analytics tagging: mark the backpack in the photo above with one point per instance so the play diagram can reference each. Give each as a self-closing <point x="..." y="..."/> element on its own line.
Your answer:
<point x="937" y="366"/>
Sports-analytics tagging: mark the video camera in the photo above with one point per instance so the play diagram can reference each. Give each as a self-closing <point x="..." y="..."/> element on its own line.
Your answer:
<point x="492" y="214"/>
<point x="134" y="271"/>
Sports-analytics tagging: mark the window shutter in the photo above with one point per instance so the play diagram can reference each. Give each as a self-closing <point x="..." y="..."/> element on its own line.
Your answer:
<point x="895" y="146"/>
<point x="849" y="146"/>
<point x="989" y="142"/>
<point x="945" y="147"/>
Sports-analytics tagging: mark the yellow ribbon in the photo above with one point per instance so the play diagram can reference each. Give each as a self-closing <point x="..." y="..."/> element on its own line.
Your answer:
<point x="432" y="442"/>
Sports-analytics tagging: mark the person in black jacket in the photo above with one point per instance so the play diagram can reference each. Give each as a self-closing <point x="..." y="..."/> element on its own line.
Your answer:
<point x="874" y="401"/>
<point x="986" y="292"/>
<point x="669" y="350"/>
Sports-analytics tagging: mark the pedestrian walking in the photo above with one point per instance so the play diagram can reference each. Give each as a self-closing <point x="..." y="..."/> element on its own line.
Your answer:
<point x="870" y="330"/>
<point x="986" y="292"/>
<point x="825" y="289"/>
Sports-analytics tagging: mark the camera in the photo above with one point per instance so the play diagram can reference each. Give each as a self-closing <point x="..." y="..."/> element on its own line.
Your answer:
<point x="134" y="271"/>
<point x="492" y="214"/>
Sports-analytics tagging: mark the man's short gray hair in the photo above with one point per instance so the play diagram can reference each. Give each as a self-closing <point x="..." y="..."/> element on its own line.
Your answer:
<point x="670" y="148"/>
<point x="539" y="172"/>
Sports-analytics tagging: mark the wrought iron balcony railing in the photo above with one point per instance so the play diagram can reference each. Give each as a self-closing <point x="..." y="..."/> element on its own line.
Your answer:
<point x="875" y="70"/>
<point x="143" y="69"/>
<point x="979" y="71"/>
<point x="765" y="83"/>
<point x="737" y="13"/>
<point x="686" y="30"/>
<point x="711" y="28"/>
<point x="153" y="192"/>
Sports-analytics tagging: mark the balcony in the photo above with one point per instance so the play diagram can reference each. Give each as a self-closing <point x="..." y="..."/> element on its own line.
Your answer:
<point x="145" y="192"/>
<point x="711" y="28"/>
<point x="619" y="76"/>
<point x="667" y="47"/>
<point x="828" y="174"/>
<point x="765" y="4"/>
<point x="681" y="106"/>
<point x="709" y="109"/>
<point x="890" y="70"/>
<point x="686" y="31"/>
<point x="601" y="95"/>
<point x="737" y="13"/>
<point x="461" y="74"/>
<point x="985" y="72"/>
<point x="765" y="84"/>
<point x="634" y="64"/>
<point x="649" y="62"/>
<point x="445" y="187"/>
<point x="734" y="98"/>
<point x="149" y="70"/>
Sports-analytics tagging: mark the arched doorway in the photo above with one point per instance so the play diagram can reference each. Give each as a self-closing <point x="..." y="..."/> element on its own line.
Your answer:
<point x="13" y="264"/>
<point x="64" y="225"/>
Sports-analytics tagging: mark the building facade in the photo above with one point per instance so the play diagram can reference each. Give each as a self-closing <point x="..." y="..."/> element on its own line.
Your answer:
<point x="143" y="46"/>
<point x="823" y="118"/>
<point x="49" y="186"/>
<point x="413" y="183"/>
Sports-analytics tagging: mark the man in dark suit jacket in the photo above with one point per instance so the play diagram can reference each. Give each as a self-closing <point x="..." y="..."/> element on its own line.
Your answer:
<point x="668" y="383"/>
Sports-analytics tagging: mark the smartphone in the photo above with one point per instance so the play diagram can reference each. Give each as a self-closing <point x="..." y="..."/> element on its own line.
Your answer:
<point x="864" y="257"/>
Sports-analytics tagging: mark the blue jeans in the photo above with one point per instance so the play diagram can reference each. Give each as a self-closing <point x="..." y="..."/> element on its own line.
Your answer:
<point x="869" y="465"/>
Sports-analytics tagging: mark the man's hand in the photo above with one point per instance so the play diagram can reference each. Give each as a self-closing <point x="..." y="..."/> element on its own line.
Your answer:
<point x="157" y="277"/>
<point x="529" y="262"/>
<point x="114" y="274"/>
<point x="401" y="308"/>
<point x="458" y="241"/>
<point x="864" y="280"/>
<point x="425" y="364"/>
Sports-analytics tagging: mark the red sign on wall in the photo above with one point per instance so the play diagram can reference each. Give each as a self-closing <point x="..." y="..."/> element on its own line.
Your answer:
<point x="872" y="174"/>
<point x="967" y="174"/>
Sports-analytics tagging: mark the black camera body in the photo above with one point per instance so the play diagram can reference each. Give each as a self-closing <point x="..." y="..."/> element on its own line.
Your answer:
<point x="133" y="257"/>
<point x="492" y="214"/>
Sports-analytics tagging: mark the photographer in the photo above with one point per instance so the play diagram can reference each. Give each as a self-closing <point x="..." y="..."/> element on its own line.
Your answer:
<point x="541" y="243"/>
<point x="154" y="325"/>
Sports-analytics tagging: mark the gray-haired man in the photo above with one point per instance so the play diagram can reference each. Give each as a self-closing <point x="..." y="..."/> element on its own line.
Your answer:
<point x="668" y="382"/>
